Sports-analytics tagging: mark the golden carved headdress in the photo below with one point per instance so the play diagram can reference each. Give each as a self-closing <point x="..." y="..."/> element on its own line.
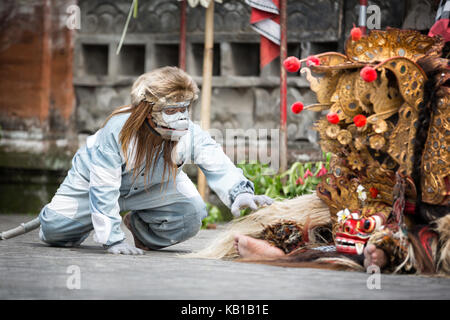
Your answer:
<point x="372" y="126"/>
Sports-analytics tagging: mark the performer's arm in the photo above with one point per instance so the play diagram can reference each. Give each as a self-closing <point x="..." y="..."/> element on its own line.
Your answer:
<point x="227" y="181"/>
<point x="104" y="185"/>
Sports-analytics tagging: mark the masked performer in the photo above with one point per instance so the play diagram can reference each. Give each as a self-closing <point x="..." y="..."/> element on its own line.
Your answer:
<point x="134" y="163"/>
<point x="386" y="198"/>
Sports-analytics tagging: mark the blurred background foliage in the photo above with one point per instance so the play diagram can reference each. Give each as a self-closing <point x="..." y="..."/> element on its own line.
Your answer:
<point x="300" y="179"/>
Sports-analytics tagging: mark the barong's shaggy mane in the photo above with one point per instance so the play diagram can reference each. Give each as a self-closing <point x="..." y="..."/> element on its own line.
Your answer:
<point x="305" y="209"/>
<point x="443" y="229"/>
<point x="308" y="211"/>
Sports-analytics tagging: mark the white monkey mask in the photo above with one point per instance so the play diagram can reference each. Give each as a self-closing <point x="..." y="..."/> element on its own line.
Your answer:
<point x="171" y="119"/>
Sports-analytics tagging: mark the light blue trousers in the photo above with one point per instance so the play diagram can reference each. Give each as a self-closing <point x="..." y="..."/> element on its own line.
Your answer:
<point x="159" y="217"/>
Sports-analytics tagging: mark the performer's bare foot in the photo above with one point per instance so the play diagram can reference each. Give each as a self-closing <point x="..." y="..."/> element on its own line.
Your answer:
<point x="374" y="256"/>
<point x="252" y="248"/>
<point x="137" y="242"/>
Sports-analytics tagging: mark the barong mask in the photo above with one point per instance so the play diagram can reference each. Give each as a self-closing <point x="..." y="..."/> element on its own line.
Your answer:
<point x="375" y="131"/>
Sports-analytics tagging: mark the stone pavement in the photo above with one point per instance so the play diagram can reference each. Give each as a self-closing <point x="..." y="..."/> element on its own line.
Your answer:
<point x="30" y="269"/>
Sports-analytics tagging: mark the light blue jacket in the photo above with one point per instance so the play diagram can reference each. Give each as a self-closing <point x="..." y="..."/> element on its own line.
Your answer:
<point x="101" y="163"/>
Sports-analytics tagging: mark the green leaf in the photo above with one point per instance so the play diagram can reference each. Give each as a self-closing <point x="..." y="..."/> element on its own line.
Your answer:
<point x="135" y="13"/>
<point x="214" y="215"/>
<point x="318" y="166"/>
<point x="283" y="185"/>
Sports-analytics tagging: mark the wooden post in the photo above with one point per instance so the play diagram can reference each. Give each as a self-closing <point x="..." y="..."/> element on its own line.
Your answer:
<point x="208" y="54"/>
<point x="283" y="88"/>
<point x="182" y="47"/>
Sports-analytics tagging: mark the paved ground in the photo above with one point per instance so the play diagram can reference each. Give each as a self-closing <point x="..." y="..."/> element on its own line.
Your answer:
<point x="31" y="270"/>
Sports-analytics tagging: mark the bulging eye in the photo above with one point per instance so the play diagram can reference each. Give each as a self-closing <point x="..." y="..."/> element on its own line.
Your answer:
<point x="368" y="226"/>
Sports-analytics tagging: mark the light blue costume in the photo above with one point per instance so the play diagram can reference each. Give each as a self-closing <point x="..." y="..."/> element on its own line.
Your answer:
<point x="99" y="186"/>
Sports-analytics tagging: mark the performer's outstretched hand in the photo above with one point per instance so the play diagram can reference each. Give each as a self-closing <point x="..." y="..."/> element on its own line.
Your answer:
<point x="248" y="200"/>
<point x="124" y="248"/>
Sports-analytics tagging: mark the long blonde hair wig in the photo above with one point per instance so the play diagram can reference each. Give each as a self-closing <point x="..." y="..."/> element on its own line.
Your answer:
<point x="167" y="83"/>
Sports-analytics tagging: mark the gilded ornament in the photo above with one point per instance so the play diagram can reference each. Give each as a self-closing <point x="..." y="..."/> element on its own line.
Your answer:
<point x="380" y="126"/>
<point x="355" y="161"/>
<point x="377" y="142"/>
<point x="332" y="131"/>
<point x="344" y="137"/>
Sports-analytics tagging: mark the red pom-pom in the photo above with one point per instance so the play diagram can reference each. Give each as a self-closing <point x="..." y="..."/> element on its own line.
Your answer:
<point x="356" y="33"/>
<point x="373" y="192"/>
<point x="292" y="64"/>
<point x="360" y="120"/>
<point x="368" y="74"/>
<point x="333" y="118"/>
<point x="312" y="61"/>
<point x="297" y="107"/>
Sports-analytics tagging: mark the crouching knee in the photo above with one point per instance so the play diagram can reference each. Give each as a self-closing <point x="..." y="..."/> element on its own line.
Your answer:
<point x="179" y="222"/>
<point x="58" y="230"/>
<point x="193" y="220"/>
<point x="50" y="235"/>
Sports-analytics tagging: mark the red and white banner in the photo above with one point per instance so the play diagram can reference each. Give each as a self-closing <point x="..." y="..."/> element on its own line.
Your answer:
<point x="265" y="19"/>
<point x="441" y="26"/>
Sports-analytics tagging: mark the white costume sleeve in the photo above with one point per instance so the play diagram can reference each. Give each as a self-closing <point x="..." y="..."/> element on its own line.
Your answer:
<point x="222" y="175"/>
<point x="104" y="184"/>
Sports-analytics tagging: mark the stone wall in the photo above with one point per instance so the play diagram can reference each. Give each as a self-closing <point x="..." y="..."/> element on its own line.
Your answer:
<point x="37" y="102"/>
<point x="59" y="85"/>
<point x="37" y="99"/>
<point x="244" y="95"/>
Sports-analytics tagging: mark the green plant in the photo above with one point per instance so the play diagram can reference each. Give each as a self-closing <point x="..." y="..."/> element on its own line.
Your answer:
<point x="299" y="179"/>
<point x="214" y="215"/>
